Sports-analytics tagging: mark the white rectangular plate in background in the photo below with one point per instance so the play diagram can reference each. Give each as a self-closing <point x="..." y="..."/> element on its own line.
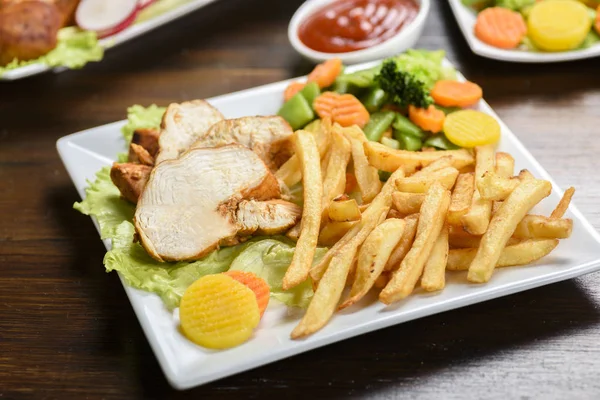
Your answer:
<point x="466" y="21"/>
<point x="187" y="365"/>
<point x="126" y="35"/>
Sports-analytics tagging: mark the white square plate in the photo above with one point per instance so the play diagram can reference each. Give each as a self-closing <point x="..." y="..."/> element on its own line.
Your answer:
<point x="466" y="21"/>
<point x="126" y="35"/>
<point x="187" y="365"/>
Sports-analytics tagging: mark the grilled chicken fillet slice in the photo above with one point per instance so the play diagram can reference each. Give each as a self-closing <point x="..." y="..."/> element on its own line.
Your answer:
<point x="188" y="205"/>
<point x="182" y="124"/>
<point x="267" y="217"/>
<point x="269" y="137"/>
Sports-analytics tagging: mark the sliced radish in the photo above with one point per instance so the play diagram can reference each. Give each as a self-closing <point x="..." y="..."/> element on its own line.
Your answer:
<point x="106" y="17"/>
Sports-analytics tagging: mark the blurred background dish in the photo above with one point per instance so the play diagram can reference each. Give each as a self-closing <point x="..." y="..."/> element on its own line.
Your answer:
<point x="356" y="30"/>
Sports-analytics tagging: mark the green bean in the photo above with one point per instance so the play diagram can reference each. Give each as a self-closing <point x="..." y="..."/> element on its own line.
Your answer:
<point x="374" y="99"/>
<point x="297" y="112"/>
<point x="409" y="142"/>
<point x="402" y="125"/>
<point x="377" y="124"/>
<point x="440" y="141"/>
<point x="310" y="92"/>
<point x="389" y="142"/>
<point x="363" y="78"/>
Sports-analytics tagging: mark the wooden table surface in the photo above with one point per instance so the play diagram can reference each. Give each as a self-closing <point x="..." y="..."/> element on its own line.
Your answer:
<point x="67" y="329"/>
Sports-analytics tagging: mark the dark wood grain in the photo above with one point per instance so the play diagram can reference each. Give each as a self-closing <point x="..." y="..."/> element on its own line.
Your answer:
<point x="67" y="329"/>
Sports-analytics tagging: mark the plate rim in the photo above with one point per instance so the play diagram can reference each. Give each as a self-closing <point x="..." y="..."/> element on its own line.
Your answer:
<point x="516" y="56"/>
<point x="178" y="378"/>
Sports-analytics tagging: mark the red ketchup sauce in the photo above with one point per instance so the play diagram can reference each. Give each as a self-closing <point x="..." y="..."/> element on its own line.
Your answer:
<point x="349" y="25"/>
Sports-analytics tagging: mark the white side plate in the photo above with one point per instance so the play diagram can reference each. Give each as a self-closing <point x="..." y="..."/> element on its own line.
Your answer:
<point x="466" y="21"/>
<point x="121" y="37"/>
<point x="187" y="365"/>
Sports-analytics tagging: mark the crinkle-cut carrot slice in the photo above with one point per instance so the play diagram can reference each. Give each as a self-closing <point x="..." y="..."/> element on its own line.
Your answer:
<point x="349" y="111"/>
<point x="500" y="27"/>
<point x="429" y="119"/>
<point x="256" y="284"/>
<point x="292" y="89"/>
<point x="325" y="103"/>
<point x="326" y="73"/>
<point x="448" y="93"/>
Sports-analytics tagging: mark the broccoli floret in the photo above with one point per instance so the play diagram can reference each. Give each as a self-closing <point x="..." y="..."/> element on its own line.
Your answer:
<point x="515" y="5"/>
<point x="403" y="87"/>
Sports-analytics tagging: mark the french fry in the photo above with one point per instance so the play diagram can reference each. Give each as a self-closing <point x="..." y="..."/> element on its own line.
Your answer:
<point x="525" y="175"/>
<point x="494" y="187"/>
<point x="332" y="232"/>
<point x="477" y="219"/>
<point x="503" y="224"/>
<point x="367" y="177"/>
<point x="290" y="172"/>
<point x="377" y="210"/>
<point x="540" y="227"/>
<point x="343" y="210"/>
<point x="563" y="204"/>
<point x="394" y="214"/>
<point x="408" y="203"/>
<point x="410" y="230"/>
<point x="327" y="295"/>
<point x="505" y="165"/>
<point x="388" y="159"/>
<point x="306" y="149"/>
<point x="372" y="257"/>
<point x="382" y="280"/>
<point x="334" y="180"/>
<point x="430" y="224"/>
<point x="462" y="197"/>
<point x="521" y="253"/>
<point x="434" y="272"/>
<point x="421" y="184"/>
<point x="437" y="165"/>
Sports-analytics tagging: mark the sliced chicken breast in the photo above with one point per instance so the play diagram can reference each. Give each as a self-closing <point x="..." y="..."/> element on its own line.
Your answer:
<point x="138" y="154"/>
<point x="266" y="217"/>
<point x="130" y="179"/>
<point x="182" y="124"/>
<point x="269" y="137"/>
<point x="189" y="204"/>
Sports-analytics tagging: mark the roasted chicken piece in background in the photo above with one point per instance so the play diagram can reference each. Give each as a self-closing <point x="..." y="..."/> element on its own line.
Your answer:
<point x="147" y="138"/>
<point x="188" y="206"/>
<point x="269" y="137"/>
<point x="138" y="154"/>
<point x="130" y="178"/>
<point x="28" y="28"/>
<point x="182" y="125"/>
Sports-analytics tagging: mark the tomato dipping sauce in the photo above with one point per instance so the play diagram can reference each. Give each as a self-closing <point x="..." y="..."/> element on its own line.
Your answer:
<point x="349" y="25"/>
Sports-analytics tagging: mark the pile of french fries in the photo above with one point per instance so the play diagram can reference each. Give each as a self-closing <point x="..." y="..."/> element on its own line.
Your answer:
<point x="438" y="211"/>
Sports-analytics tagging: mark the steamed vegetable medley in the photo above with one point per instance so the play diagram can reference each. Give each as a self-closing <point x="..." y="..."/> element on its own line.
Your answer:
<point x="410" y="102"/>
<point x="537" y="25"/>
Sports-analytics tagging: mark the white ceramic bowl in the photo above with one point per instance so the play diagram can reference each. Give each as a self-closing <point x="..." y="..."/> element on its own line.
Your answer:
<point x="404" y="39"/>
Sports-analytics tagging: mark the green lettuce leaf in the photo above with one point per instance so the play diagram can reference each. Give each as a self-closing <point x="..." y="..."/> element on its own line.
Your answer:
<point x="74" y="49"/>
<point x="168" y="280"/>
<point x="269" y="259"/>
<point x="142" y="117"/>
<point x="103" y="201"/>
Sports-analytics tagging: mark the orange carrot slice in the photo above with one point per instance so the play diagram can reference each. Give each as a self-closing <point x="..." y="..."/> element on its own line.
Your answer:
<point x="325" y="103"/>
<point x="500" y="27"/>
<point x="429" y="119"/>
<point x="456" y="94"/>
<point x="256" y="284"/>
<point x="350" y="111"/>
<point x="292" y="89"/>
<point x="326" y="73"/>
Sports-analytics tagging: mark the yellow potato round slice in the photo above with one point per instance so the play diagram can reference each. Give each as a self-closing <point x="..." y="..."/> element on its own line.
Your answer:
<point x="218" y="312"/>
<point x="558" y="25"/>
<point x="470" y="128"/>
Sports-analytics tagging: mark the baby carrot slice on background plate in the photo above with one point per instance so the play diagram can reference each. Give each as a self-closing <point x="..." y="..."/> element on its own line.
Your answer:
<point x="456" y="94"/>
<point x="500" y="27"/>
<point x="429" y="119"/>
